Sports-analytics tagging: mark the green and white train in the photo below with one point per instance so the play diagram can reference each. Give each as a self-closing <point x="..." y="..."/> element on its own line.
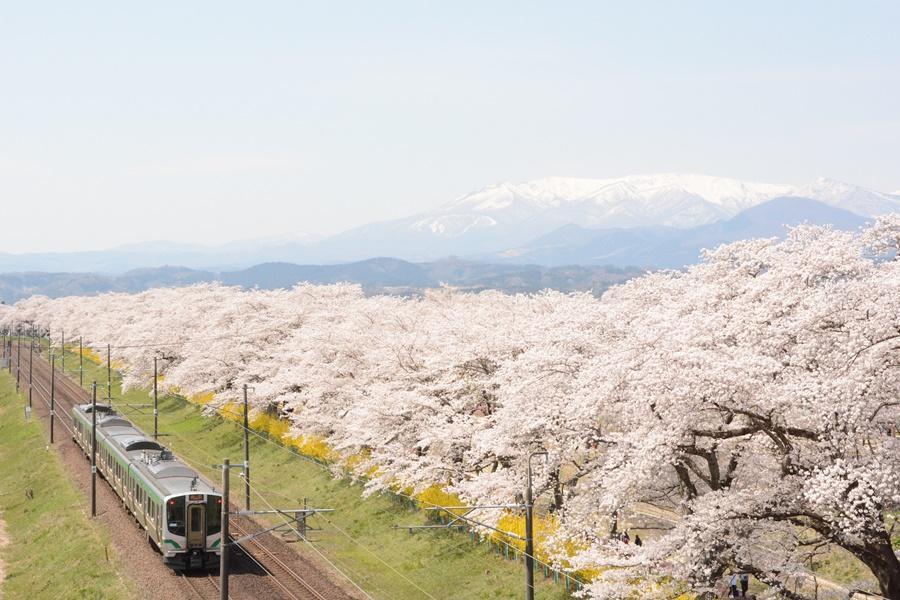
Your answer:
<point x="180" y="511"/>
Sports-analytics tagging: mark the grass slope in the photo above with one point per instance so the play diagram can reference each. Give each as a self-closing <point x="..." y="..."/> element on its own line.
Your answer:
<point x="364" y="537"/>
<point x="54" y="550"/>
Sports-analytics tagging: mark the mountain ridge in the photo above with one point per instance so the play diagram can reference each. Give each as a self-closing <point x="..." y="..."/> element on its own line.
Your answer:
<point x="376" y="275"/>
<point x="668" y="247"/>
<point x="493" y="219"/>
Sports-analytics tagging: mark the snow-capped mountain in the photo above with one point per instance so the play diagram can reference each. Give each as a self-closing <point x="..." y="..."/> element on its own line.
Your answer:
<point x="502" y="220"/>
<point x="849" y="197"/>
<point x="668" y="247"/>
<point x="672" y="200"/>
<point x="638" y="201"/>
<point x="507" y="215"/>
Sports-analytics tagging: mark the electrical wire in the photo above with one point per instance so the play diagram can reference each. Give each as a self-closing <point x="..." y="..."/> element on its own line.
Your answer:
<point x="335" y="526"/>
<point x="321" y="465"/>
<point x="259" y="493"/>
<point x="204" y="468"/>
<point x="401" y="494"/>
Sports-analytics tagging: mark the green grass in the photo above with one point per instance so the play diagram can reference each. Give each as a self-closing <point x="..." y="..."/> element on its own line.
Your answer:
<point x="385" y="561"/>
<point x="839" y="565"/>
<point x="54" y="550"/>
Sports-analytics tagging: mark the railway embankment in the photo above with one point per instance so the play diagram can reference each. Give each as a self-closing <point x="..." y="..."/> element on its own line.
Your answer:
<point x="53" y="549"/>
<point x="366" y="541"/>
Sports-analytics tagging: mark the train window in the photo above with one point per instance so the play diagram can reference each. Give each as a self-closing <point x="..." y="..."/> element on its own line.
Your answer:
<point x="213" y="515"/>
<point x="196" y="523"/>
<point x="175" y="515"/>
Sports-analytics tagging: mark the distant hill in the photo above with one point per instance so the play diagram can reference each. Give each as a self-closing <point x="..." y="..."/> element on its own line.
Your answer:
<point x="667" y="247"/>
<point x="508" y="220"/>
<point x="378" y="275"/>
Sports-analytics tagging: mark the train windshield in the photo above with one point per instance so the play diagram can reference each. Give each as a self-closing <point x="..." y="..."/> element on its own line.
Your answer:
<point x="175" y="515"/>
<point x="213" y="515"/>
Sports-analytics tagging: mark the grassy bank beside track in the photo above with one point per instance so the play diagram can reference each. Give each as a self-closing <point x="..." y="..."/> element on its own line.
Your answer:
<point x="54" y="549"/>
<point x="364" y="538"/>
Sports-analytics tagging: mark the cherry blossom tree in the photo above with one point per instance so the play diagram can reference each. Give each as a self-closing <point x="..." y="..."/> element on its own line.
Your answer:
<point x="756" y="394"/>
<point x="753" y="397"/>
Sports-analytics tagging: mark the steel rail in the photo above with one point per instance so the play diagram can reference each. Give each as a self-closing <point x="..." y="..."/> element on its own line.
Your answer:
<point x="204" y="595"/>
<point x="296" y="577"/>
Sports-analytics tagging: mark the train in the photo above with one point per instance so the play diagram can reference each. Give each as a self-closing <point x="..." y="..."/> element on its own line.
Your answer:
<point x="179" y="510"/>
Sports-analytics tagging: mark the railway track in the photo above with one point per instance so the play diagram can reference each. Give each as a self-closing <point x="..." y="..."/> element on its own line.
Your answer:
<point x="204" y="586"/>
<point x="287" y="579"/>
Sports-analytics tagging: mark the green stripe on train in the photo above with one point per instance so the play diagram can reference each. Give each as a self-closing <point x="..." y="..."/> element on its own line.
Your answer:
<point x="174" y="543"/>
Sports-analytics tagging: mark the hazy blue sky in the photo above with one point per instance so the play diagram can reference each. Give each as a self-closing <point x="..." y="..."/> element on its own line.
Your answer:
<point x="212" y="121"/>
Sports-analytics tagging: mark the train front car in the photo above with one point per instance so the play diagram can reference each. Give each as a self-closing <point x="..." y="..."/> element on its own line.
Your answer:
<point x="192" y="532"/>
<point x="193" y="535"/>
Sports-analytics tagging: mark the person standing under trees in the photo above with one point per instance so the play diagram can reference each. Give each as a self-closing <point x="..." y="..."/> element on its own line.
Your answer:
<point x="733" y="584"/>
<point x="638" y="541"/>
<point x="745" y="584"/>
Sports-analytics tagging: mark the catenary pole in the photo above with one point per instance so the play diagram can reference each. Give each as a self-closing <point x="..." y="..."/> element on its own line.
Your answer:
<point x="62" y="355"/>
<point x="81" y="361"/>
<point x="18" y="357"/>
<point x="155" y="402"/>
<point x="52" y="394"/>
<point x="246" y="454"/>
<point x="94" y="449"/>
<point x="223" y="560"/>
<point x="109" y="374"/>
<point x="529" y="531"/>
<point x="30" y="361"/>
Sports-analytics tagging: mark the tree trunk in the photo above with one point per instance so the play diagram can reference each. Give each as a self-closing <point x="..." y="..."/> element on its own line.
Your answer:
<point x="883" y="562"/>
<point x="558" y="498"/>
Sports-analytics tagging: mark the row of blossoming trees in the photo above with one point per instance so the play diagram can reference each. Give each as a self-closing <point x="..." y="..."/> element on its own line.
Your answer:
<point x="754" y="393"/>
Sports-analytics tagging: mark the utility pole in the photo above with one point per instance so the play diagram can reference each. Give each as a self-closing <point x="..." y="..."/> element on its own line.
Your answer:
<point x="52" y="394"/>
<point x="94" y="449"/>
<point x="62" y="345"/>
<point x="223" y="560"/>
<point x="529" y="530"/>
<point x="108" y="374"/>
<point x="246" y="454"/>
<point x="459" y="515"/>
<point x="18" y="357"/>
<point x="81" y="361"/>
<point x="155" y="402"/>
<point x="30" y="361"/>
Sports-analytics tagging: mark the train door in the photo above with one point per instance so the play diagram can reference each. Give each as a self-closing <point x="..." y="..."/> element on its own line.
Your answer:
<point x="196" y="531"/>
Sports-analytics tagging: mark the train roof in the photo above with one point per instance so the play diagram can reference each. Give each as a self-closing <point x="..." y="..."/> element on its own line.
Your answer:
<point x="155" y="463"/>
